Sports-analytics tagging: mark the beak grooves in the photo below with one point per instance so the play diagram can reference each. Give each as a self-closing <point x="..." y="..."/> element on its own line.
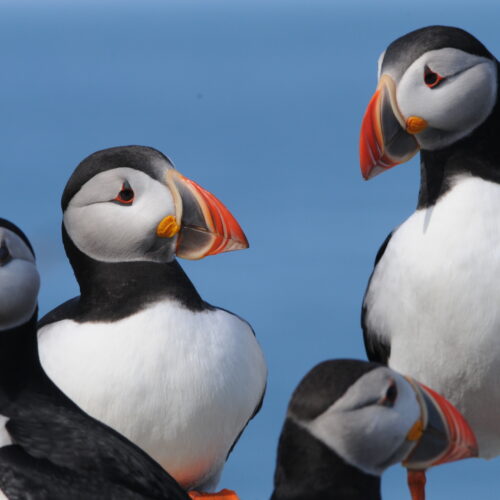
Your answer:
<point x="384" y="139"/>
<point x="207" y="226"/>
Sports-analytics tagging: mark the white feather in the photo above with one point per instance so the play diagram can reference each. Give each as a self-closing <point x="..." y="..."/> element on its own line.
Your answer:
<point x="365" y="434"/>
<point x="456" y="106"/>
<point x="180" y="384"/>
<point x="5" y="438"/>
<point x="111" y="232"/>
<point x="435" y="296"/>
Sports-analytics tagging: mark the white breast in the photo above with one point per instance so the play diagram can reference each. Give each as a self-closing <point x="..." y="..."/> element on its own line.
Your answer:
<point x="436" y="295"/>
<point x="179" y="384"/>
<point x="5" y="438"/>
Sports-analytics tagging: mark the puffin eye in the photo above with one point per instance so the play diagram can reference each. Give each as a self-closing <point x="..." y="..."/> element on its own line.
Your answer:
<point x="126" y="195"/>
<point x="431" y="78"/>
<point x="4" y="253"/>
<point x="390" y="395"/>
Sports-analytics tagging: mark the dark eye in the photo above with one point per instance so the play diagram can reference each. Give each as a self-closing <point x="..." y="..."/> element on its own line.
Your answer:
<point x="126" y="195"/>
<point x="431" y="78"/>
<point x="4" y="253"/>
<point x="390" y="395"/>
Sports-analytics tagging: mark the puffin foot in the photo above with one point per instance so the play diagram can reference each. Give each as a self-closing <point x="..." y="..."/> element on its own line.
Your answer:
<point x="224" y="494"/>
<point x="416" y="483"/>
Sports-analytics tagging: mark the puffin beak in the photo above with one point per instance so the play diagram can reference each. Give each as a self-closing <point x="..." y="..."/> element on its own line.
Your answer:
<point x="442" y="434"/>
<point x="203" y="224"/>
<point x="387" y="139"/>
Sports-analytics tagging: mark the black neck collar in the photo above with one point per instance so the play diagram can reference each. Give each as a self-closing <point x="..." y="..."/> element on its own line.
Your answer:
<point x="477" y="155"/>
<point x="111" y="291"/>
<point x="308" y="470"/>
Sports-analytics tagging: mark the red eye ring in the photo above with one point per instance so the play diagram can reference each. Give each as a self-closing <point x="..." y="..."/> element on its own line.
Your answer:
<point x="431" y="78"/>
<point x="390" y="396"/>
<point x="126" y="195"/>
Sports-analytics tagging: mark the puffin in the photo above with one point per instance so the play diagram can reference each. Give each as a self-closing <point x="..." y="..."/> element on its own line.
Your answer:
<point x="348" y="420"/>
<point x="50" y="448"/>
<point x="139" y="349"/>
<point x="431" y="305"/>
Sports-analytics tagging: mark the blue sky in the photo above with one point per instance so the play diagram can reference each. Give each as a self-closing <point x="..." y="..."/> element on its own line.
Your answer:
<point x="260" y="102"/>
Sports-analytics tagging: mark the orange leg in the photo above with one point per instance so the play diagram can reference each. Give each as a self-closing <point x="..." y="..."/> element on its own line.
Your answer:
<point x="221" y="495"/>
<point x="416" y="483"/>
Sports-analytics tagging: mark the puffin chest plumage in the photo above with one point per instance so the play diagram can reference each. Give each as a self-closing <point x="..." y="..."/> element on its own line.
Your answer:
<point x="180" y="384"/>
<point x="435" y="298"/>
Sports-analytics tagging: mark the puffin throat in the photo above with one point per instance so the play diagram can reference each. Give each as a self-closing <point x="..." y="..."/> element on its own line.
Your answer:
<point x="132" y="285"/>
<point x="308" y="470"/>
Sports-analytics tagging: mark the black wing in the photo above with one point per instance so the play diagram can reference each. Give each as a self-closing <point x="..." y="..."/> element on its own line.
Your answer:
<point x="257" y="409"/>
<point x="24" y="477"/>
<point x="47" y="426"/>
<point x="66" y="310"/>
<point x="376" y="349"/>
<point x="259" y="404"/>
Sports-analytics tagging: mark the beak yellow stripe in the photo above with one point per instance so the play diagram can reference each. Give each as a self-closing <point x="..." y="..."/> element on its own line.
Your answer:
<point x="416" y="431"/>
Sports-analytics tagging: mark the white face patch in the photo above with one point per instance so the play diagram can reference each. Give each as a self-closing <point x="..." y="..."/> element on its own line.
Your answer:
<point x="110" y="231"/>
<point x="19" y="282"/>
<point x="364" y="432"/>
<point x="458" y="104"/>
<point x="5" y="439"/>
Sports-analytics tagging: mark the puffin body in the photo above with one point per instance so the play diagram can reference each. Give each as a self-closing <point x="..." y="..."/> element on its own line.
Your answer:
<point x="49" y="448"/>
<point x="422" y="302"/>
<point x="203" y="365"/>
<point x="139" y="349"/>
<point x="430" y="309"/>
<point x="349" y="420"/>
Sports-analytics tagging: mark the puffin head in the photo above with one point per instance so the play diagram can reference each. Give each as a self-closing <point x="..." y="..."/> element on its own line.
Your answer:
<point x="436" y="86"/>
<point x="372" y="417"/>
<point x="130" y="204"/>
<point x="19" y="278"/>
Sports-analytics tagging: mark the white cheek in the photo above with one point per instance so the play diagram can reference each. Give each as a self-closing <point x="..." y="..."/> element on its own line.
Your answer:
<point x="369" y="437"/>
<point x="19" y="285"/>
<point x="458" y="105"/>
<point x="112" y="232"/>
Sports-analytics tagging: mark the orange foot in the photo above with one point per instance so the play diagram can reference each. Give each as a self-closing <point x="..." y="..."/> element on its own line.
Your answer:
<point x="416" y="482"/>
<point x="221" y="495"/>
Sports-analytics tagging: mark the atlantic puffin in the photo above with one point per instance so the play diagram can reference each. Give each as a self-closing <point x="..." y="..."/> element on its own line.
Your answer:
<point x="49" y="448"/>
<point x="431" y="306"/>
<point x="348" y="420"/>
<point x="139" y="349"/>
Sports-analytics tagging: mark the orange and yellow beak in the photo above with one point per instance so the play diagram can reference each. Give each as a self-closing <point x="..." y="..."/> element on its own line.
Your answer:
<point x="387" y="139"/>
<point x="203" y="224"/>
<point x="442" y="434"/>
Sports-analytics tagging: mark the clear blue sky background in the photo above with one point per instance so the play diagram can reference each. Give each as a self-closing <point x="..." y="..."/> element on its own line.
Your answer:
<point x="260" y="101"/>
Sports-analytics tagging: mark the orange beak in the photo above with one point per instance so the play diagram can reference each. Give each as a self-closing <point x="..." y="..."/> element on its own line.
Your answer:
<point x="446" y="436"/>
<point x="207" y="227"/>
<point x="384" y="140"/>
